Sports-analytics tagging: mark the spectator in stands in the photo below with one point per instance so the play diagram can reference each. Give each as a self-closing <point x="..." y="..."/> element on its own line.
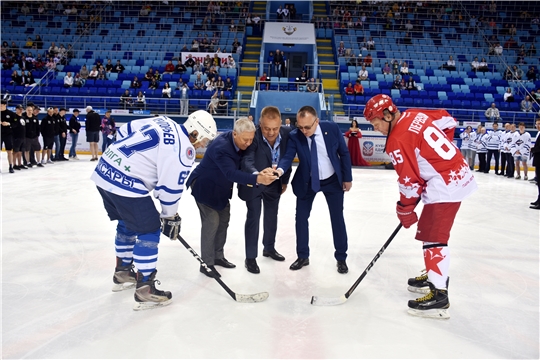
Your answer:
<point x="53" y="49"/>
<point x="531" y="73"/>
<point x="278" y="63"/>
<point x="145" y="10"/>
<point x="532" y="50"/>
<point x="16" y="79"/>
<point x="149" y="74"/>
<point x="14" y="49"/>
<point x="492" y="113"/>
<point x="212" y="105"/>
<point x="25" y="9"/>
<point x="29" y="43"/>
<point x="198" y="84"/>
<point x="483" y="66"/>
<point x="166" y="91"/>
<point x="157" y="75"/>
<point x="408" y="26"/>
<point x="341" y="49"/>
<point x="126" y="99"/>
<point x="197" y="68"/>
<point x="450" y="64"/>
<point x="51" y="64"/>
<point x="109" y="66"/>
<point x="312" y="86"/>
<point x="279" y="14"/>
<point x="189" y="61"/>
<point x="518" y="73"/>
<point x="498" y="49"/>
<point x="102" y="74"/>
<point x="78" y="81"/>
<point x="508" y="96"/>
<point x="180" y="68"/>
<point x="228" y="85"/>
<point x="141" y="100"/>
<point x="363" y="74"/>
<point x="407" y="39"/>
<point x="184" y="99"/>
<point x="231" y="64"/>
<point x="93" y="73"/>
<point x="411" y="84"/>
<point x="210" y="85"/>
<point x="510" y="43"/>
<point x="301" y="81"/>
<point x="358" y="89"/>
<point x="404" y="69"/>
<point x="397" y="83"/>
<point x="41" y="9"/>
<point x="368" y="60"/>
<point x="220" y="84"/>
<point x="370" y="44"/>
<point x="154" y="83"/>
<point x="72" y="11"/>
<point x="169" y="68"/>
<point x="135" y="83"/>
<point x="222" y="104"/>
<point x="507" y="75"/>
<point x="526" y="104"/>
<point x="28" y="79"/>
<point x="118" y="68"/>
<point x="512" y="31"/>
<point x="475" y="64"/>
<point x="212" y="73"/>
<point x="216" y="61"/>
<point x="349" y="90"/>
<point x="386" y="69"/>
<point x="263" y="82"/>
<point x="68" y="80"/>
<point x="232" y="26"/>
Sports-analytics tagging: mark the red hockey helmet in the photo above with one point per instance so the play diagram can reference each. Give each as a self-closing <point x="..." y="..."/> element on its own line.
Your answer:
<point x="376" y="105"/>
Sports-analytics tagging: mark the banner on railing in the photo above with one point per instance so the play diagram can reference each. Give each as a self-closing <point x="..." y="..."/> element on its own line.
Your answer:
<point x="202" y="55"/>
<point x="289" y="33"/>
<point x="120" y="111"/>
<point x="141" y="112"/>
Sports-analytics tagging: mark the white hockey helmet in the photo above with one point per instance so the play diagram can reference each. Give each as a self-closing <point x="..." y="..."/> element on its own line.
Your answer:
<point x="204" y="123"/>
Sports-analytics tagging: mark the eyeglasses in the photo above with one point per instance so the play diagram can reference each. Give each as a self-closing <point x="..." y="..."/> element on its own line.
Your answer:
<point x="307" y="127"/>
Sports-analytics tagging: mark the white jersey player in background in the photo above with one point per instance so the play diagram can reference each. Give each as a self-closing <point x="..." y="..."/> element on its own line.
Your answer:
<point x="521" y="150"/>
<point x="429" y="166"/>
<point x="154" y="154"/>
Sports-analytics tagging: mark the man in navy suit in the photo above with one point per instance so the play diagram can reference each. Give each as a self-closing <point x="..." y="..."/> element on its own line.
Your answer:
<point x="212" y="183"/>
<point x="268" y="146"/>
<point x="325" y="165"/>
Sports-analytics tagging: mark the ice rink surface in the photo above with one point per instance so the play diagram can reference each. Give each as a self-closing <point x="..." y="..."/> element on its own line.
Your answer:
<point x="58" y="261"/>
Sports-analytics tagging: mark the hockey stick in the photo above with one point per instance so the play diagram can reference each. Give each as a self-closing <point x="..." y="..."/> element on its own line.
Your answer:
<point x="237" y="297"/>
<point x="316" y="300"/>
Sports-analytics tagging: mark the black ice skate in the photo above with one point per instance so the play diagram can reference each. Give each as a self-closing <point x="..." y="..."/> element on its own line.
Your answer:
<point x="420" y="284"/>
<point x="434" y="305"/>
<point x="124" y="277"/>
<point x="147" y="296"/>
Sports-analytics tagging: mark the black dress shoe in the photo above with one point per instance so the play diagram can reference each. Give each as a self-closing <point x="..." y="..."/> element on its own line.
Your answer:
<point x="252" y="267"/>
<point x="211" y="272"/>
<point x="274" y="255"/>
<point x="535" y="203"/>
<point x="535" y="207"/>
<point x="342" y="267"/>
<point x="224" y="263"/>
<point x="299" y="263"/>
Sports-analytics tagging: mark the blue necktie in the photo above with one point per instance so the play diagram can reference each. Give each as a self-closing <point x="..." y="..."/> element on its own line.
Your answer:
<point x="315" y="183"/>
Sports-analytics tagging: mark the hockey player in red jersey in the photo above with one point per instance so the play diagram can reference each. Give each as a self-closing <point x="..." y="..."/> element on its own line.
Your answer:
<point x="429" y="167"/>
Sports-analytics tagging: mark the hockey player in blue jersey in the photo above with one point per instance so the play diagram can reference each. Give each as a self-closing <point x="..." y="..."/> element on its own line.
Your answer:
<point x="154" y="154"/>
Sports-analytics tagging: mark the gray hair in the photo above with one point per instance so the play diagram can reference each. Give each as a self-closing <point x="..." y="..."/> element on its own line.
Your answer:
<point x="243" y="124"/>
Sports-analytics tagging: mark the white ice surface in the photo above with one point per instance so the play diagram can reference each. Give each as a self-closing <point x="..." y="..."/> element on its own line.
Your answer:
<point x="58" y="262"/>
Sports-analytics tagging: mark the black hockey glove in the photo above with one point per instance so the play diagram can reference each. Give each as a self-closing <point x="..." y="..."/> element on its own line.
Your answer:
<point x="171" y="226"/>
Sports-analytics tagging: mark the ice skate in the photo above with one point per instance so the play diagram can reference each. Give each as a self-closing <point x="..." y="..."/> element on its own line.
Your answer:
<point x="124" y="277"/>
<point x="434" y="305"/>
<point x="147" y="296"/>
<point x="419" y="284"/>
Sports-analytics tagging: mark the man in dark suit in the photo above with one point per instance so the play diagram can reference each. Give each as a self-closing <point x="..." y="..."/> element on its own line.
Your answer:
<point x="535" y="152"/>
<point x="268" y="146"/>
<point x="325" y="165"/>
<point x="212" y="183"/>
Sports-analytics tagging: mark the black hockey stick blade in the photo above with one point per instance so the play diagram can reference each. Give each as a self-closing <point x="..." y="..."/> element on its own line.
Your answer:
<point x="254" y="298"/>
<point x="322" y="301"/>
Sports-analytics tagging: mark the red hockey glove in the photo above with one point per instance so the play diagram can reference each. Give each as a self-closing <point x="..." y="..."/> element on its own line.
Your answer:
<point x="406" y="214"/>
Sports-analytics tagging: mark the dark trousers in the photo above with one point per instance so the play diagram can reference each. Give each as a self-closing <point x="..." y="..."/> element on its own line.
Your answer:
<point x="495" y="154"/>
<point x="270" y="199"/>
<point x="510" y="166"/>
<point x="503" y="163"/>
<point x="537" y="174"/>
<point x="333" y="192"/>
<point x="482" y="162"/>
<point x="60" y="153"/>
<point x="214" y="224"/>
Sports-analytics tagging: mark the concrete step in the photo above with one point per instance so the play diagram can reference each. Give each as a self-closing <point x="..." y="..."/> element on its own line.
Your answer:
<point x="246" y="81"/>
<point x="330" y="84"/>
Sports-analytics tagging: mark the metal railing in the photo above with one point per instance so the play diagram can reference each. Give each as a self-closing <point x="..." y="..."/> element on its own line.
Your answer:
<point x="292" y="86"/>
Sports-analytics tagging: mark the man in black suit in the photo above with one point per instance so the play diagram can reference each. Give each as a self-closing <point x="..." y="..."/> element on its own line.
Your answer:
<point x="535" y="152"/>
<point x="268" y="145"/>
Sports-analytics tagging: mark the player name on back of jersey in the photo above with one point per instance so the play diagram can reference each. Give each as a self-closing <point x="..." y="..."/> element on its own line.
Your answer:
<point x="417" y="123"/>
<point x="168" y="132"/>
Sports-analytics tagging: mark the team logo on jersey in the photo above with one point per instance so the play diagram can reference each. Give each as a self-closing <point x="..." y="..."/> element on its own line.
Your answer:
<point x="368" y="148"/>
<point x="190" y="153"/>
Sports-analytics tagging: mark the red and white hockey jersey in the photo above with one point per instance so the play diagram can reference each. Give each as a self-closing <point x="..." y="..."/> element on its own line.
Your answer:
<point x="426" y="159"/>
